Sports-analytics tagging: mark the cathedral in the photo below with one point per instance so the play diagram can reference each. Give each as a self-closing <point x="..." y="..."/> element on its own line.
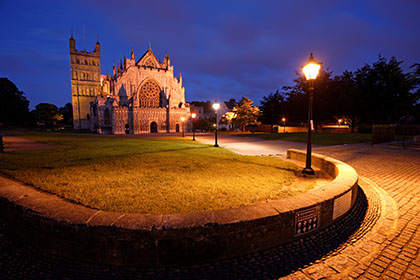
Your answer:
<point x="140" y="96"/>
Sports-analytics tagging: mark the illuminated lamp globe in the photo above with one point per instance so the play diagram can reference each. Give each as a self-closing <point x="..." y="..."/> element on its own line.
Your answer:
<point x="216" y="106"/>
<point x="311" y="69"/>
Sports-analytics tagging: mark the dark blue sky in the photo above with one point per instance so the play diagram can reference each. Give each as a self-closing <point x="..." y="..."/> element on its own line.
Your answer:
<point x="224" y="49"/>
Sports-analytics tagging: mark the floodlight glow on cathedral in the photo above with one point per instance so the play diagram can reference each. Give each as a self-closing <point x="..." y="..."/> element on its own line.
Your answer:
<point x="139" y="97"/>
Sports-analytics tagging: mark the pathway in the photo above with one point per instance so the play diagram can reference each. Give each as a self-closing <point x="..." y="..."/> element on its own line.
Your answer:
<point x="392" y="249"/>
<point x="13" y="143"/>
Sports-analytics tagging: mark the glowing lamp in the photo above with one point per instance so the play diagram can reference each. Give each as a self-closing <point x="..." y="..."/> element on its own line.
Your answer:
<point x="193" y="115"/>
<point x="216" y="107"/>
<point x="311" y="69"/>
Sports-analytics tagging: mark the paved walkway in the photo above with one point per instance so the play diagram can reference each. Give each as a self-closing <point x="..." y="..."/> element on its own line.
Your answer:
<point x="251" y="145"/>
<point x="13" y="143"/>
<point x="385" y="246"/>
<point x="392" y="249"/>
<point x="393" y="252"/>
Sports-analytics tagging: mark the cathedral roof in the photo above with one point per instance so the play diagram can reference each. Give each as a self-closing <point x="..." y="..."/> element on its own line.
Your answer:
<point x="149" y="59"/>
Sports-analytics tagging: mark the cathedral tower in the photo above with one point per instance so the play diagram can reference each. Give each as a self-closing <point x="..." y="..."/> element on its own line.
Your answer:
<point x="85" y="68"/>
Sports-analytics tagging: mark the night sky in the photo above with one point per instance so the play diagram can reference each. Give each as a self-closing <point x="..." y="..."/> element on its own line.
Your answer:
<point x="224" y="49"/>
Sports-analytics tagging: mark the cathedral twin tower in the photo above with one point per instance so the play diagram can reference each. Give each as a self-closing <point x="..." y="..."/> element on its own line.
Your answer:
<point x="139" y="97"/>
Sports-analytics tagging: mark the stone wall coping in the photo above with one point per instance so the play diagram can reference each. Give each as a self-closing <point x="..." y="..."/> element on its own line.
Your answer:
<point x="51" y="206"/>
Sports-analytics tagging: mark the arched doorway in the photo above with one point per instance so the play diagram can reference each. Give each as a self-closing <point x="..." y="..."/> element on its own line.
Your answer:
<point x="127" y="129"/>
<point x="177" y="128"/>
<point x="153" y="127"/>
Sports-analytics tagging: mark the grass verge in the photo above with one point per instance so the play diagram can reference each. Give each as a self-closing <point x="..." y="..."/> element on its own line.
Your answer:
<point x="149" y="175"/>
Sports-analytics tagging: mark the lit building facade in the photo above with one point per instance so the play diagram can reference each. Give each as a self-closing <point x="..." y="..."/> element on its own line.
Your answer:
<point x="140" y="96"/>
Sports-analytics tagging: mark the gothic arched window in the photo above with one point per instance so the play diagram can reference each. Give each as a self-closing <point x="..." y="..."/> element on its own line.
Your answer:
<point x="149" y="95"/>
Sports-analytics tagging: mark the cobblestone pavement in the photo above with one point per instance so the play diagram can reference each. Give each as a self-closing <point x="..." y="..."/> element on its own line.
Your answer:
<point x="380" y="238"/>
<point x="391" y="249"/>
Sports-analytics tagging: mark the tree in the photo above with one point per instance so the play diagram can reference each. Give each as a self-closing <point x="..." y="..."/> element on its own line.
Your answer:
<point x="204" y="124"/>
<point x="415" y="75"/>
<point x="348" y="97"/>
<point x="228" y="118"/>
<point x="246" y="113"/>
<point x="387" y="93"/>
<point x="14" y="107"/>
<point x="272" y="108"/>
<point x="47" y="115"/>
<point x="67" y="113"/>
<point x="324" y="104"/>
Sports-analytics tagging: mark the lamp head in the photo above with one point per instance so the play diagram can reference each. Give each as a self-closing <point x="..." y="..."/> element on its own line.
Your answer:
<point x="193" y="115"/>
<point x="311" y="69"/>
<point x="216" y="106"/>
<point x="182" y="119"/>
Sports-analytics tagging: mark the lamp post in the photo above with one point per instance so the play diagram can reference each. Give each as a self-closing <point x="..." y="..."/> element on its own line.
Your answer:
<point x="284" y="124"/>
<point x="193" y="115"/>
<point x="339" y="122"/>
<point x="311" y="70"/>
<point x="216" y="107"/>
<point x="183" y="130"/>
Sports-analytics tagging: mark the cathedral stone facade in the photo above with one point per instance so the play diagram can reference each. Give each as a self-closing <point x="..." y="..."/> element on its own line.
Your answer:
<point x="139" y="97"/>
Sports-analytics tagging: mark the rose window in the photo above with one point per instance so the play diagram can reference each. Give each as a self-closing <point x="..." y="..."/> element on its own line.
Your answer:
<point x="149" y="94"/>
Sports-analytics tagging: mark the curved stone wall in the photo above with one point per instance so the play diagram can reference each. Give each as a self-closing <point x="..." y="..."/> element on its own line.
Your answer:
<point x="60" y="227"/>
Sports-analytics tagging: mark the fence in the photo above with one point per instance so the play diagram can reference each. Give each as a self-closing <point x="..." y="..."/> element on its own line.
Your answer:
<point x="397" y="134"/>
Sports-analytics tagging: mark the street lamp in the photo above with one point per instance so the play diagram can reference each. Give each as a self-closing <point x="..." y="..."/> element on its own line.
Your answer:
<point x="216" y="107"/>
<point x="311" y="70"/>
<point x="284" y="124"/>
<point x="183" y="130"/>
<point x="193" y="115"/>
<point x="339" y="122"/>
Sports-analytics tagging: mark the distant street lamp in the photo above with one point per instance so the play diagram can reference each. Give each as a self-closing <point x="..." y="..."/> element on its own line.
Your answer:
<point x="339" y="122"/>
<point x="216" y="107"/>
<point x="183" y="130"/>
<point x="284" y="124"/>
<point x="193" y="115"/>
<point x="311" y="70"/>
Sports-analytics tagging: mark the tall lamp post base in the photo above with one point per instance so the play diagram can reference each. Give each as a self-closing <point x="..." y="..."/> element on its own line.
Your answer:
<point x="308" y="171"/>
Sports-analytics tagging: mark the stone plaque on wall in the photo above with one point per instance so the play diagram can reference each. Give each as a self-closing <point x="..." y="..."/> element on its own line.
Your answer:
<point x="307" y="220"/>
<point x="342" y="205"/>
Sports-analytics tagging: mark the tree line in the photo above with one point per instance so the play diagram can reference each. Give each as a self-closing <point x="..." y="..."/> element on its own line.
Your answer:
<point x="380" y="93"/>
<point x="14" y="110"/>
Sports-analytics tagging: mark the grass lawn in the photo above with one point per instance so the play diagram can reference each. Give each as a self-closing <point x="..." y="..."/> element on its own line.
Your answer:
<point x="149" y="175"/>
<point x="320" y="138"/>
